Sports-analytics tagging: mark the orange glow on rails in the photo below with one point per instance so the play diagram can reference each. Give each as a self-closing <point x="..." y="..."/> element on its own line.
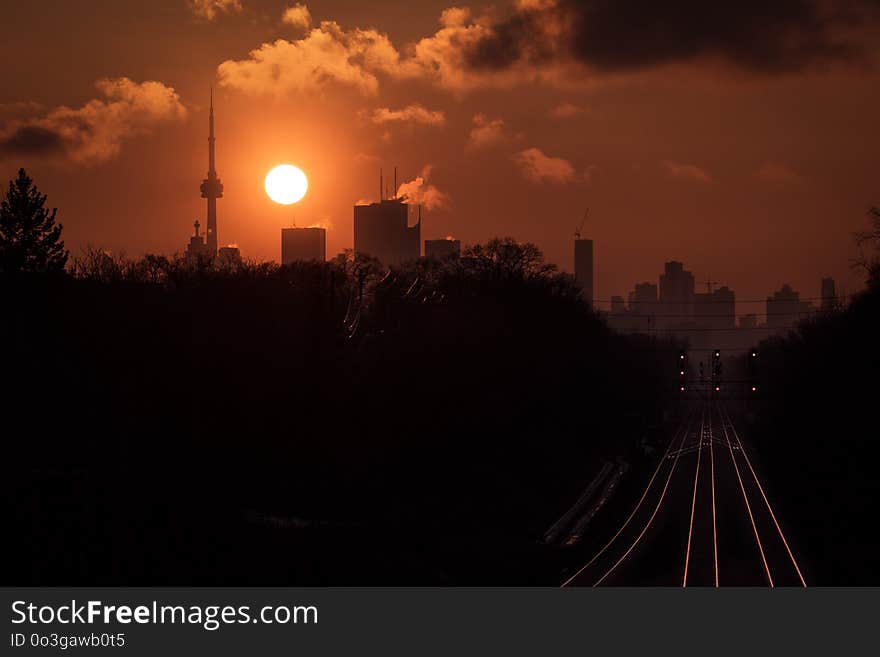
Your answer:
<point x="687" y="554"/>
<point x="748" y="506"/>
<point x="769" y="508"/>
<point x="714" y="525"/>
<point x="634" y="511"/>
<point x="653" y="515"/>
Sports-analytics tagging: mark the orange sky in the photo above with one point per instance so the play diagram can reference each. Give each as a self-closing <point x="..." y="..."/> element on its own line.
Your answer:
<point x="749" y="160"/>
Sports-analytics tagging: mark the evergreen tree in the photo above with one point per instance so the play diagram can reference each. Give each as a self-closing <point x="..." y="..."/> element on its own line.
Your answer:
<point x="30" y="240"/>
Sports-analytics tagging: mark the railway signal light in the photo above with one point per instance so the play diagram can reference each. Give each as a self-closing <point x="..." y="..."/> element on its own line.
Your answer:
<point x="753" y="370"/>
<point x="716" y="363"/>
<point x="681" y="367"/>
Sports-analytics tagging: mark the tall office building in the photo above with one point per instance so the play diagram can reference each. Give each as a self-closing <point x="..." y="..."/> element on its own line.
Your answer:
<point x="303" y="244"/>
<point x="382" y="230"/>
<point x="211" y="188"/>
<point x="583" y="267"/>
<point x="829" y="295"/>
<point x="676" y="294"/>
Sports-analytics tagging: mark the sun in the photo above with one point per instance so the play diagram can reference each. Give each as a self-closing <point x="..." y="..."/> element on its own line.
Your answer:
<point x="286" y="184"/>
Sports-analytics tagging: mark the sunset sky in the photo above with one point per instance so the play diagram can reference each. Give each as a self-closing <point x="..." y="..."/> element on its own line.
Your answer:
<point x="741" y="138"/>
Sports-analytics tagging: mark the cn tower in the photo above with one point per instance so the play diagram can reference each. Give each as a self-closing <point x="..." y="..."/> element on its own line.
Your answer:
<point x="212" y="188"/>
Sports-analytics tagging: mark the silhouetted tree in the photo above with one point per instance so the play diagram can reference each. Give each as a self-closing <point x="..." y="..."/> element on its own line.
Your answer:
<point x="504" y="257"/>
<point x="870" y="238"/>
<point x="30" y="240"/>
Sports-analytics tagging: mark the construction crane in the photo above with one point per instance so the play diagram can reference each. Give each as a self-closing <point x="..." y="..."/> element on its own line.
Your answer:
<point x="709" y="285"/>
<point x="577" y="233"/>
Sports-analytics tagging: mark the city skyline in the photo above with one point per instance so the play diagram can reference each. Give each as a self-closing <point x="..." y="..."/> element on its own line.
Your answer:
<point x="754" y="172"/>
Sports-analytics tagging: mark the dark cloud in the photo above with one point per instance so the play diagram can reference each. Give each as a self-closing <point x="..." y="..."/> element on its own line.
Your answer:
<point x="31" y="140"/>
<point x="755" y="35"/>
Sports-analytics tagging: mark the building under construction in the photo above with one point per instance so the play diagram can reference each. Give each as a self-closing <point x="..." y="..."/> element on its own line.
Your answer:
<point x="382" y="229"/>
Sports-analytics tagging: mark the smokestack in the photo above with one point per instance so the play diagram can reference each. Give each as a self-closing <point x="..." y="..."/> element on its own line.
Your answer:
<point x="380" y="184"/>
<point x="395" y="181"/>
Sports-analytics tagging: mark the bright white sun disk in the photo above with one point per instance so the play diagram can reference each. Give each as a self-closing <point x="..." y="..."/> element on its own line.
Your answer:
<point x="286" y="184"/>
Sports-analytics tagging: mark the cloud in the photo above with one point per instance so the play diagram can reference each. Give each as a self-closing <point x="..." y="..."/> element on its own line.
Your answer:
<point x="419" y="192"/>
<point x="326" y="54"/>
<point x="486" y="132"/>
<point x="773" y="172"/>
<point x="565" y="111"/>
<point x="209" y="9"/>
<point x="538" y="167"/>
<point x="298" y="16"/>
<point x="95" y="132"/>
<point x="414" y="113"/>
<point x="752" y="35"/>
<point x="687" y="172"/>
<point x="565" y="43"/>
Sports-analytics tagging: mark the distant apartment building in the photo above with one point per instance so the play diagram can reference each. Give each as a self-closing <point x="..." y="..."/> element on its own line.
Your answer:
<point x="583" y="267"/>
<point x="785" y="308"/>
<point x="643" y="306"/>
<point x="748" y="321"/>
<point x="643" y="299"/>
<point x="442" y="248"/>
<point x="298" y="244"/>
<point x="715" y="310"/>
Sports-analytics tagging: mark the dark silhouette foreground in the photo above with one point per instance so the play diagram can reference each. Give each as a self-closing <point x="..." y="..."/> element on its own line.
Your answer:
<point x="168" y="422"/>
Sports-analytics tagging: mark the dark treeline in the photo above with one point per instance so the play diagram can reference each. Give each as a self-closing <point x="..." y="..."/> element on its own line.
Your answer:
<point x="817" y="432"/>
<point x="167" y="421"/>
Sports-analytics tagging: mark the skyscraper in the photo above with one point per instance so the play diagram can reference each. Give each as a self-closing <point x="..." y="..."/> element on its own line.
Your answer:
<point x="212" y="188"/>
<point x="829" y="295"/>
<point x="677" y="294"/>
<point x="382" y="230"/>
<point x="583" y="267"/>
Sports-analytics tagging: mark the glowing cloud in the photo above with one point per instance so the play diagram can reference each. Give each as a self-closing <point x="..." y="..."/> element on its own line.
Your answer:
<point x="538" y="167"/>
<point x="566" y="111"/>
<point x="209" y="9"/>
<point x="297" y="16"/>
<point x="414" y="113"/>
<point x="689" y="172"/>
<point x="326" y="54"/>
<point x="485" y="132"/>
<point x="95" y="132"/>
